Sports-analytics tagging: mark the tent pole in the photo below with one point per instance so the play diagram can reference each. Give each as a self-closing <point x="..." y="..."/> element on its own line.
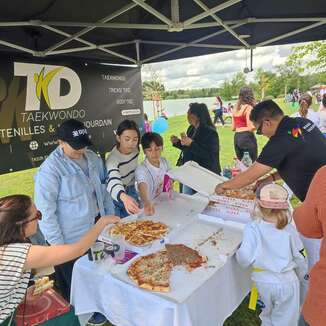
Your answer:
<point x="88" y="29"/>
<point x="210" y="11"/>
<point x="194" y="42"/>
<point x="17" y="47"/>
<point x="175" y="16"/>
<point x="201" y="45"/>
<point x="99" y="47"/>
<point x="221" y="23"/>
<point x="153" y="11"/>
<point x="297" y="31"/>
<point x="137" y="51"/>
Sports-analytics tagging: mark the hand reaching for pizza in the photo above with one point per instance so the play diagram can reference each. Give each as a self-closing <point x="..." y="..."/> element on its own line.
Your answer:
<point x="130" y="204"/>
<point x="110" y="219"/>
<point x="219" y="189"/>
<point x="149" y="209"/>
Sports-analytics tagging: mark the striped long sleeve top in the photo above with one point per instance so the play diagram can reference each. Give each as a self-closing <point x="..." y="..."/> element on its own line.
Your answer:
<point x="120" y="172"/>
<point x="13" y="278"/>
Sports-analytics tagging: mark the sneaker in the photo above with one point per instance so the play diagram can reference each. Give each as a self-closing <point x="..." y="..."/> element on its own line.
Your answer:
<point x="97" y="319"/>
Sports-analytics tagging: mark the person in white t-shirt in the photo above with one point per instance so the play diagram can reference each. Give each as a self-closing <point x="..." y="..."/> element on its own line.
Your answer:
<point x="150" y="174"/>
<point x="305" y="111"/>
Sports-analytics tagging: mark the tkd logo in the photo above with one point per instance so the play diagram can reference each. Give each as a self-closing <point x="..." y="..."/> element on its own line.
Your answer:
<point x="45" y="79"/>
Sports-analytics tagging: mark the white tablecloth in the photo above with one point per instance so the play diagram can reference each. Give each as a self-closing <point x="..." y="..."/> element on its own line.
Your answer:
<point x="95" y="289"/>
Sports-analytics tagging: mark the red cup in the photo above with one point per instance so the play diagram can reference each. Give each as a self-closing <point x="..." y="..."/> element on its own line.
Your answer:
<point x="235" y="171"/>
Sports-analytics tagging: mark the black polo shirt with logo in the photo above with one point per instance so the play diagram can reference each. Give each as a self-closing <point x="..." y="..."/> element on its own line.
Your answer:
<point x="297" y="151"/>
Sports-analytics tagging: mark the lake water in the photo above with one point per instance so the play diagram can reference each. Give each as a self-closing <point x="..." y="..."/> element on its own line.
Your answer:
<point x="178" y="106"/>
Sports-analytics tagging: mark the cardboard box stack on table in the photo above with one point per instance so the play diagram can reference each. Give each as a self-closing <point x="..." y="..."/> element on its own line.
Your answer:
<point x="236" y="206"/>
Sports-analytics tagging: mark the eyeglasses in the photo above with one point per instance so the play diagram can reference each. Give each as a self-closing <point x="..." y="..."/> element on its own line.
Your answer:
<point x="259" y="129"/>
<point x="38" y="216"/>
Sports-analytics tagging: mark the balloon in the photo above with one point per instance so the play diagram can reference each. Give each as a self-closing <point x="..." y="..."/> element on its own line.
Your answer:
<point x="160" y="125"/>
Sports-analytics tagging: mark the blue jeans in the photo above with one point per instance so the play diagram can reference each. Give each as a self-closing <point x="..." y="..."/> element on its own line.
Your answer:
<point x="119" y="208"/>
<point x="302" y="322"/>
<point x="187" y="190"/>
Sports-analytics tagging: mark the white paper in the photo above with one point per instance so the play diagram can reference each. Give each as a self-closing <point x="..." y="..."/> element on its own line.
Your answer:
<point x="197" y="177"/>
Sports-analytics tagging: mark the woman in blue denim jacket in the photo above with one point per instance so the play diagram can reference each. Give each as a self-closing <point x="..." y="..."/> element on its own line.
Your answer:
<point x="70" y="192"/>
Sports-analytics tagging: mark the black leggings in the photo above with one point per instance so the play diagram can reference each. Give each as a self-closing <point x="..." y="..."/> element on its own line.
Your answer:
<point x="219" y="115"/>
<point x="63" y="276"/>
<point x="245" y="141"/>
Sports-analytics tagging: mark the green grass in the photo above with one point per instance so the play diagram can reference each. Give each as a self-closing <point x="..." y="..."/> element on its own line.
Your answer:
<point x="22" y="182"/>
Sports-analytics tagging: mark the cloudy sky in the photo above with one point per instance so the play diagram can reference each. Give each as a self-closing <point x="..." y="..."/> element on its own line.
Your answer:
<point x="211" y="70"/>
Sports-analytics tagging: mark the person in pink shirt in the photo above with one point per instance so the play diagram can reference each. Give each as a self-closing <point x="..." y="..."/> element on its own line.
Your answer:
<point x="147" y="125"/>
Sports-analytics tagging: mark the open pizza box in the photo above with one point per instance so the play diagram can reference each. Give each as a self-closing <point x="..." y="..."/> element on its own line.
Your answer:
<point x="216" y="241"/>
<point x="179" y="208"/>
<point x="204" y="182"/>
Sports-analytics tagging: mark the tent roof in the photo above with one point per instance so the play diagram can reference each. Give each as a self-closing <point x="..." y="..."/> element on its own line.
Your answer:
<point x="140" y="31"/>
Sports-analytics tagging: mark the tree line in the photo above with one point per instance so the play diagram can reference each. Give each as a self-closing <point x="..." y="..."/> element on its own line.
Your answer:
<point x="304" y="68"/>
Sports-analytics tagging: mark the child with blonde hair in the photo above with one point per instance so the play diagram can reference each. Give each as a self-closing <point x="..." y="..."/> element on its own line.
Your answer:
<point x="272" y="247"/>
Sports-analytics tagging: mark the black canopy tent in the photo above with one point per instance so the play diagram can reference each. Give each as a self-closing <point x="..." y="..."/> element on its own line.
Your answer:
<point x="140" y="31"/>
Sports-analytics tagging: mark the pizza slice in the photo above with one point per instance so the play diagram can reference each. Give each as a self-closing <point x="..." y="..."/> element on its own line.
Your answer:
<point x="152" y="272"/>
<point x="42" y="284"/>
<point x="180" y="254"/>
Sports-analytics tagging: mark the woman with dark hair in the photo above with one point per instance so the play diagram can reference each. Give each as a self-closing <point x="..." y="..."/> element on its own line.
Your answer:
<point x="200" y="143"/>
<point x="218" y="112"/>
<point x="305" y="110"/>
<point x="147" y="125"/>
<point x="121" y="165"/>
<point x="244" y="137"/>
<point x="18" y="221"/>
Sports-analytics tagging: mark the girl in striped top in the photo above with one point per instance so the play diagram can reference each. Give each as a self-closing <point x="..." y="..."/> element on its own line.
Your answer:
<point x="18" y="221"/>
<point x="121" y="165"/>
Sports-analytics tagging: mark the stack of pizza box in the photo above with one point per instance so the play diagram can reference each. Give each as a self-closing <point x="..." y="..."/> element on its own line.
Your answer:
<point x="204" y="182"/>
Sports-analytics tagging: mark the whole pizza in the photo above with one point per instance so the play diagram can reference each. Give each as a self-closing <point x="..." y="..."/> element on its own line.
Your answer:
<point x="140" y="232"/>
<point x="152" y="272"/>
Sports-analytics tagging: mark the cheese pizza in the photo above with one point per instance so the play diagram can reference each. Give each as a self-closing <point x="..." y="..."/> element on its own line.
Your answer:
<point x="140" y="232"/>
<point x="244" y="193"/>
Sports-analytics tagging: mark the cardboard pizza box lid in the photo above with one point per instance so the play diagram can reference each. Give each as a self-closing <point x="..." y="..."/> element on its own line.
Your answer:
<point x="196" y="177"/>
<point x="39" y="309"/>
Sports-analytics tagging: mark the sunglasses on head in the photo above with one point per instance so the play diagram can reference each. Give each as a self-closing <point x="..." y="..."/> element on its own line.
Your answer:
<point x="38" y="216"/>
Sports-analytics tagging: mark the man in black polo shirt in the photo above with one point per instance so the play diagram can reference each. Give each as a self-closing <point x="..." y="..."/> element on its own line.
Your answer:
<point x="296" y="149"/>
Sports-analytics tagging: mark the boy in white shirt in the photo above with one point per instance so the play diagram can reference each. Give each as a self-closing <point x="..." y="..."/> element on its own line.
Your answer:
<point x="150" y="174"/>
<point x="272" y="247"/>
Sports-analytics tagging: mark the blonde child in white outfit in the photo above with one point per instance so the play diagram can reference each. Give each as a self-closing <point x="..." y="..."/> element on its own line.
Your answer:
<point x="272" y="247"/>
